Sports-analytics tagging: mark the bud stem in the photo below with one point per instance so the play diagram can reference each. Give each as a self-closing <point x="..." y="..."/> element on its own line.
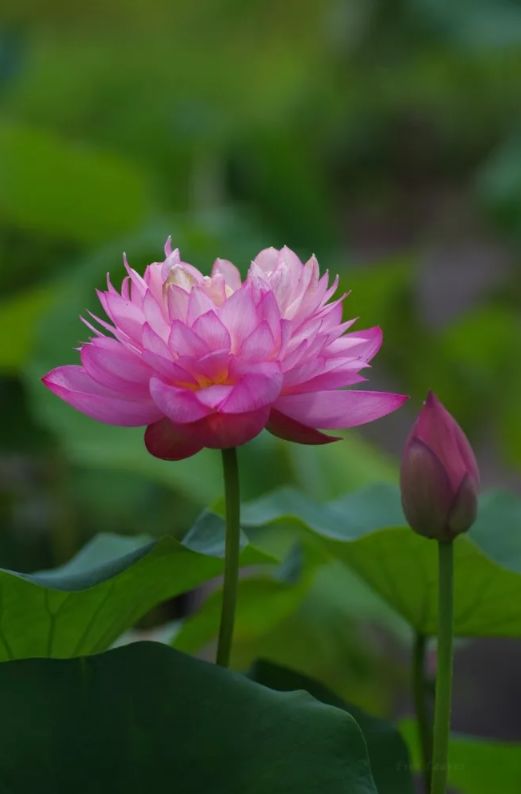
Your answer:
<point x="231" y="555"/>
<point x="422" y="706"/>
<point x="442" y="709"/>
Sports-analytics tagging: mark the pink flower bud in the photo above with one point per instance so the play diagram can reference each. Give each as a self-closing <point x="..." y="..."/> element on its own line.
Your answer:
<point x="439" y="475"/>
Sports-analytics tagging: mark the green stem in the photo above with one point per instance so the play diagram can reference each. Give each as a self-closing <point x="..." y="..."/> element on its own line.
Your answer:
<point x="444" y="673"/>
<point x="423" y="716"/>
<point x="231" y="555"/>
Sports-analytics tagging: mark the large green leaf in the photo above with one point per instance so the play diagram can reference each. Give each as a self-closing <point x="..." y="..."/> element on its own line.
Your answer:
<point x="366" y="531"/>
<point x="476" y="765"/>
<point x="85" y="605"/>
<point x="387" y="750"/>
<point x="145" y="717"/>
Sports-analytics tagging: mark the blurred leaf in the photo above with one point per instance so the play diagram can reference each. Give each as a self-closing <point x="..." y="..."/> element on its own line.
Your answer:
<point x="54" y="187"/>
<point x="387" y="751"/>
<point x="263" y="602"/>
<point x="476" y="765"/>
<point x="498" y="183"/>
<point x="366" y="531"/>
<point x="476" y="23"/>
<point x="18" y="318"/>
<point x="382" y="294"/>
<point x="327" y="471"/>
<point x="476" y="353"/>
<point x="144" y="716"/>
<point x="86" y="604"/>
<point x="376" y="289"/>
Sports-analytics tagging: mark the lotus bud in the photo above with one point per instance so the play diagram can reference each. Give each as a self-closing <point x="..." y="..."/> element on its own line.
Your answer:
<point x="439" y="475"/>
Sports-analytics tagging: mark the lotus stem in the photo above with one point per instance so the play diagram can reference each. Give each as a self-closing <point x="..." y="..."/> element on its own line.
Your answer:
<point x="442" y="710"/>
<point x="421" y="705"/>
<point x="231" y="556"/>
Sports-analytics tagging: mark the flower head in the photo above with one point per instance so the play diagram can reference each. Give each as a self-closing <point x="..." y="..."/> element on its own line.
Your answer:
<point x="439" y="475"/>
<point x="209" y="361"/>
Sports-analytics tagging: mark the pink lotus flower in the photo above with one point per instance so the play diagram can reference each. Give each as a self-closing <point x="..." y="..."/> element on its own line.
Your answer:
<point x="209" y="361"/>
<point x="439" y="475"/>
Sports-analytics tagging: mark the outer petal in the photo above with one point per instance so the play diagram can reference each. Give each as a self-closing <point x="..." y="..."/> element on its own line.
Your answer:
<point x="359" y="344"/>
<point x="73" y="385"/>
<point x="114" y="366"/>
<point x="336" y="379"/>
<point x="219" y="431"/>
<point x="284" y="427"/>
<point x="426" y="491"/>
<point x="440" y="431"/>
<point x="339" y="408"/>
<point x="170" y="442"/>
<point x="125" y="315"/>
<point x="155" y="317"/>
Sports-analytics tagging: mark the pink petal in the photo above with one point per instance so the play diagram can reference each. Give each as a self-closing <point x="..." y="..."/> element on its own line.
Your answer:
<point x="170" y="442"/>
<point x="360" y="344"/>
<point x="177" y="301"/>
<point x="259" y="345"/>
<point x="230" y="273"/>
<point x="239" y="315"/>
<point x="184" y="341"/>
<point x="267" y="259"/>
<point x="426" y="490"/>
<point x="290" y="430"/>
<point x="212" y="366"/>
<point x="73" y="385"/>
<point x="125" y="315"/>
<point x="112" y="365"/>
<point x="154" y="280"/>
<point x="178" y="404"/>
<point x="437" y="428"/>
<point x="157" y="355"/>
<point x="254" y="390"/>
<point x="139" y="286"/>
<point x="328" y="381"/>
<point x="219" y="431"/>
<point x="214" y="333"/>
<point x="155" y="317"/>
<point x="172" y="257"/>
<point x="330" y="409"/>
<point x="198" y="304"/>
<point x="213" y="396"/>
<point x="268" y="311"/>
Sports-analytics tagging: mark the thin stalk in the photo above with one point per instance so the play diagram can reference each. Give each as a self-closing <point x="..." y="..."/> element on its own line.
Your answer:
<point x="421" y="705"/>
<point x="231" y="555"/>
<point x="442" y="708"/>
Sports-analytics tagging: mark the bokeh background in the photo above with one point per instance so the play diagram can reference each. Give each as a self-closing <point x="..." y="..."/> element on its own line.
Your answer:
<point x="384" y="137"/>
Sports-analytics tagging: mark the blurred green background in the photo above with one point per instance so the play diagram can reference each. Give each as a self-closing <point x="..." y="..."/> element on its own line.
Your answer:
<point x="384" y="137"/>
